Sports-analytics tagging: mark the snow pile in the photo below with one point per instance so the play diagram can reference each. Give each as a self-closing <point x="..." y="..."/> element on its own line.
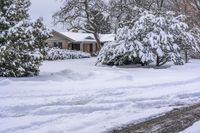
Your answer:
<point x="62" y="54"/>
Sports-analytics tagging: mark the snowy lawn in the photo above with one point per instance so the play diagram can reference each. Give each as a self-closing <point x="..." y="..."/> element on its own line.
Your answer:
<point x="74" y="96"/>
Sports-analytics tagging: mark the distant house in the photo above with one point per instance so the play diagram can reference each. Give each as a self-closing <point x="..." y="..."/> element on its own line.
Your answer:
<point x="77" y="41"/>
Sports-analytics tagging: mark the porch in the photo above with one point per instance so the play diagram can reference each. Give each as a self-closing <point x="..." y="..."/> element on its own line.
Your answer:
<point x="85" y="47"/>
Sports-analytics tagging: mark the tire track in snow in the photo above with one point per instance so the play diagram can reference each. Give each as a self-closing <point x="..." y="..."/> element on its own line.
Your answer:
<point x="167" y="84"/>
<point x="35" y="124"/>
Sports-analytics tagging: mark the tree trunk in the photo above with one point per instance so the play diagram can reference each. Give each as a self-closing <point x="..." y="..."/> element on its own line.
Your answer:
<point x="93" y="26"/>
<point x="160" y="4"/>
<point x="157" y="61"/>
<point x="96" y="36"/>
<point x="186" y="56"/>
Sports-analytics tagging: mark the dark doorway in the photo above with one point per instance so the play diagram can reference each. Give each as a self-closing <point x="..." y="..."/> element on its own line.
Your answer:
<point x="91" y="48"/>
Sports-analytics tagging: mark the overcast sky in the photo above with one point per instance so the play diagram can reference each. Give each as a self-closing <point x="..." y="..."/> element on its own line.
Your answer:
<point x="45" y="9"/>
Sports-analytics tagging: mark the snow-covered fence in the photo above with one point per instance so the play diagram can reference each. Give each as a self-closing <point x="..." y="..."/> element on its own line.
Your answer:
<point x="62" y="54"/>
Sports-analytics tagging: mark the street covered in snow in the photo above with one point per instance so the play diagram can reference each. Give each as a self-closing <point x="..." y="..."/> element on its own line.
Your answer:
<point x="75" y="96"/>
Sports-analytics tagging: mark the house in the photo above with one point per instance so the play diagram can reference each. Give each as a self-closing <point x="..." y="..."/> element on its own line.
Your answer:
<point x="77" y="41"/>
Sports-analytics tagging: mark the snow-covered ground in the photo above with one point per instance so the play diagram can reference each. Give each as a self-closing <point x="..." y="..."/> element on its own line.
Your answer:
<point x="193" y="129"/>
<point x="74" y="96"/>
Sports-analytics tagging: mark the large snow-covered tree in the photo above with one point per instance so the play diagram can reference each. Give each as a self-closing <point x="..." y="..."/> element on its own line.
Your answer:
<point x="152" y="38"/>
<point x="189" y="8"/>
<point x="80" y="14"/>
<point x="197" y="4"/>
<point x="103" y="23"/>
<point x="19" y="43"/>
<point x="123" y="11"/>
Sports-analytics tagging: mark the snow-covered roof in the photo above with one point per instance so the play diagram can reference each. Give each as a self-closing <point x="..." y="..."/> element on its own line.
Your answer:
<point x="79" y="37"/>
<point x="87" y="37"/>
<point x="107" y="37"/>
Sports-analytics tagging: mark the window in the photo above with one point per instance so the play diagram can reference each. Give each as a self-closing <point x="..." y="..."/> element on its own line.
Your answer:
<point x="58" y="45"/>
<point x="55" y="44"/>
<point x="76" y="47"/>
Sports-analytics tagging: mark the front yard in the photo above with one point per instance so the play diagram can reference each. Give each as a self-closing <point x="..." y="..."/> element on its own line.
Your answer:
<point x="74" y="96"/>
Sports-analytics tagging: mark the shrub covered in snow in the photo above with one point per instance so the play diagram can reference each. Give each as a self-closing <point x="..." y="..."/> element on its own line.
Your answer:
<point x="154" y="37"/>
<point x="187" y="39"/>
<point x="61" y="54"/>
<point x="20" y="40"/>
<point x="192" y="53"/>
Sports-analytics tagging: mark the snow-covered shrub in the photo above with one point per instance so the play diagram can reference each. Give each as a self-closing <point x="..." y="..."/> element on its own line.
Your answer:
<point x="61" y="54"/>
<point x="114" y="53"/>
<point x="195" y="54"/>
<point x="150" y="39"/>
<point x="19" y="40"/>
<point x="187" y="39"/>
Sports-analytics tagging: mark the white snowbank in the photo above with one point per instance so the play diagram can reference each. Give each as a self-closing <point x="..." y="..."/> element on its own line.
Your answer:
<point x="193" y="129"/>
<point x="74" y="96"/>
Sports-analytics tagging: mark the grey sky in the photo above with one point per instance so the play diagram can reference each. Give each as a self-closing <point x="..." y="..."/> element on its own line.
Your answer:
<point x="45" y="9"/>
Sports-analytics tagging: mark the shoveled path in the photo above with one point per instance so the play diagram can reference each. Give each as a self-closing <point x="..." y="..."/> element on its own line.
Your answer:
<point x="172" y="122"/>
